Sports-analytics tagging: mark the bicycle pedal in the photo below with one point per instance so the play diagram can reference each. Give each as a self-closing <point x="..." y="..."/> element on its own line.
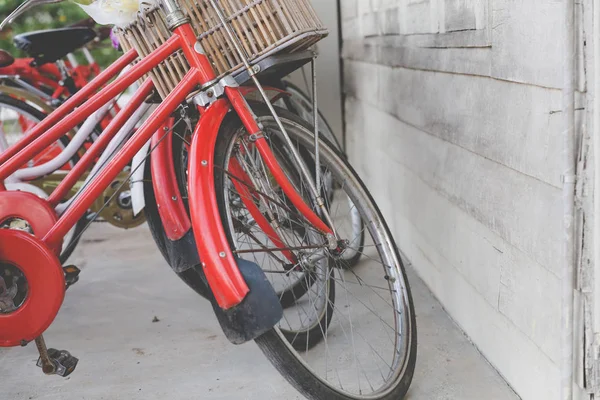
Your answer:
<point x="63" y="361"/>
<point x="71" y="275"/>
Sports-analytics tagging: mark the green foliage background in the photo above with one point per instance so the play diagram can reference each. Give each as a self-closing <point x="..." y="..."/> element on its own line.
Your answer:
<point x="47" y="17"/>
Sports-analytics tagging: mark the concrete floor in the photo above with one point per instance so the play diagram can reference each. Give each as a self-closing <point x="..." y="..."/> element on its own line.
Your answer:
<point x="107" y="321"/>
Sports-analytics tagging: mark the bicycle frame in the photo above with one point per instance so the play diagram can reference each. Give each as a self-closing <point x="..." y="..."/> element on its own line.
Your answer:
<point x="76" y="142"/>
<point x="220" y="267"/>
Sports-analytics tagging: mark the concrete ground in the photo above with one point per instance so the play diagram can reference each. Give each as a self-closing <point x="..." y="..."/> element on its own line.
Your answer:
<point x="140" y="333"/>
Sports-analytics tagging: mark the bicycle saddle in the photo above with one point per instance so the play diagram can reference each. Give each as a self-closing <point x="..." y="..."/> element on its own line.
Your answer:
<point x="102" y="32"/>
<point x="48" y="46"/>
<point x="6" y="58"/>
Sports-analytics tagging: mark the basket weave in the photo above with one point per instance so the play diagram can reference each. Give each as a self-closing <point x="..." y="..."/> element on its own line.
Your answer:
<point x="263" y="27"/>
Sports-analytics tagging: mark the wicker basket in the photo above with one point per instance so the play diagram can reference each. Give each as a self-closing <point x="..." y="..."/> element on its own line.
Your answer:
<point x="263" y="27"/>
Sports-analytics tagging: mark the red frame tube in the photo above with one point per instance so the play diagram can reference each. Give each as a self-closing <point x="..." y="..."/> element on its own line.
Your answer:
<point x="247" y="198"/>
<point x="243" y="110"/>
<point x="121" y="159"/>
<point x="94" y="151"/>
<point x="90" y="106"/>
<point x="69" y="105"/>
<point x="35" y="75"/>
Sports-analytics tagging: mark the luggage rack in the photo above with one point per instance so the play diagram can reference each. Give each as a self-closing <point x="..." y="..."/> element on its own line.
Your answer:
<point x="275" y="67"/>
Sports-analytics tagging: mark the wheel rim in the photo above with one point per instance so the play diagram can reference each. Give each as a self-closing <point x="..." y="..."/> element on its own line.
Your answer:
<point x="363" y="354"/>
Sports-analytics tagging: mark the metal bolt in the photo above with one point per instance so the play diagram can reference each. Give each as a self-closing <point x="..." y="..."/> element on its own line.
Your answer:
<point x="165" y="128"/>
<point x="204" y="162"/>
<point x="222" y="254"/>
<point x="210" y="94"/>
<point x="174" y="198"/>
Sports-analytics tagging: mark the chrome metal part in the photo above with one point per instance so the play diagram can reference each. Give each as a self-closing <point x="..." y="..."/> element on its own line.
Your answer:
<point x="312" y="259"/>
<point x="17" y="224"/>
<point x="8" y="294"/>
<point x="44" y="361"/>
<point x="198" y="48"/>
<point x="174" y="16"/>
<point x="23" y="8"/>
<point x="124" y="199"/>
<point x="316" y="124"/>
<point x="332" y="242"/>
<point x="213" y="92"/>
<point x="255" y="136"/>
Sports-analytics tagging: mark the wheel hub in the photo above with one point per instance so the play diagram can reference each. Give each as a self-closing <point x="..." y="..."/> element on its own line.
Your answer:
<point x="13" y="288"/>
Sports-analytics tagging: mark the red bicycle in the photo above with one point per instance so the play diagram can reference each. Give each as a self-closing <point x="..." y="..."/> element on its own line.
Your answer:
<point x="52" y="71"/>
<point x="240" y="189"/>
<point x="32" y="87"/>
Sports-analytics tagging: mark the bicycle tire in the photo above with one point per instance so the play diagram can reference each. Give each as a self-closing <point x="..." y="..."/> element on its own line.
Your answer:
<point x="274" y="344"/>
<point x="193" y="276"/>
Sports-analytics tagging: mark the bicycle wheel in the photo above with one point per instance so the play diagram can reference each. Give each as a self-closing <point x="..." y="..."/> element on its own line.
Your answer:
<point x="366" y="347"/>
<point x="296" y="284"/>
<point x="16" y="118"/>
<point x="306" y="289"/>
<point x="301" y="104"/>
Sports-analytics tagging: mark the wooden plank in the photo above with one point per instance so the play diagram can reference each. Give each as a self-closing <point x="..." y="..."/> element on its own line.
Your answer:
<point x="522" y="210"/>
<point x="524" y="50"/>
<point x="521" y="131"/>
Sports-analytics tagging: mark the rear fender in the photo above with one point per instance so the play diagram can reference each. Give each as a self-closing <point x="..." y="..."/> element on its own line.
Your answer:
<point x="166" y="190"/>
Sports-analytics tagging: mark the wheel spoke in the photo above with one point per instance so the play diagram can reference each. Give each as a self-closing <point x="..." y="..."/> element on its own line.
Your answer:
<point x="346" y="323"/>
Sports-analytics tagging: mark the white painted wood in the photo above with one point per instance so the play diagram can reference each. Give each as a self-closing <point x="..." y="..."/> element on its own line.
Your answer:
<point x="454" y="119"/>
<point x="460" y="15"/>
<point x="505" y="276"/>
<point x="513" y="124"/>
<point x="526" y="41"/>
<point x="420" y="213"/>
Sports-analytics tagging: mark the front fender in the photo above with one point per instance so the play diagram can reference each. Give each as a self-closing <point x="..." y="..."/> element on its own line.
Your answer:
<point x="218" y="262"/>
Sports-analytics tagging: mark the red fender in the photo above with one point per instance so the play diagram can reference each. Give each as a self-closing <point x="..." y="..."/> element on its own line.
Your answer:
<point x="171" y="209"/>
<point x="220" y="267"/>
